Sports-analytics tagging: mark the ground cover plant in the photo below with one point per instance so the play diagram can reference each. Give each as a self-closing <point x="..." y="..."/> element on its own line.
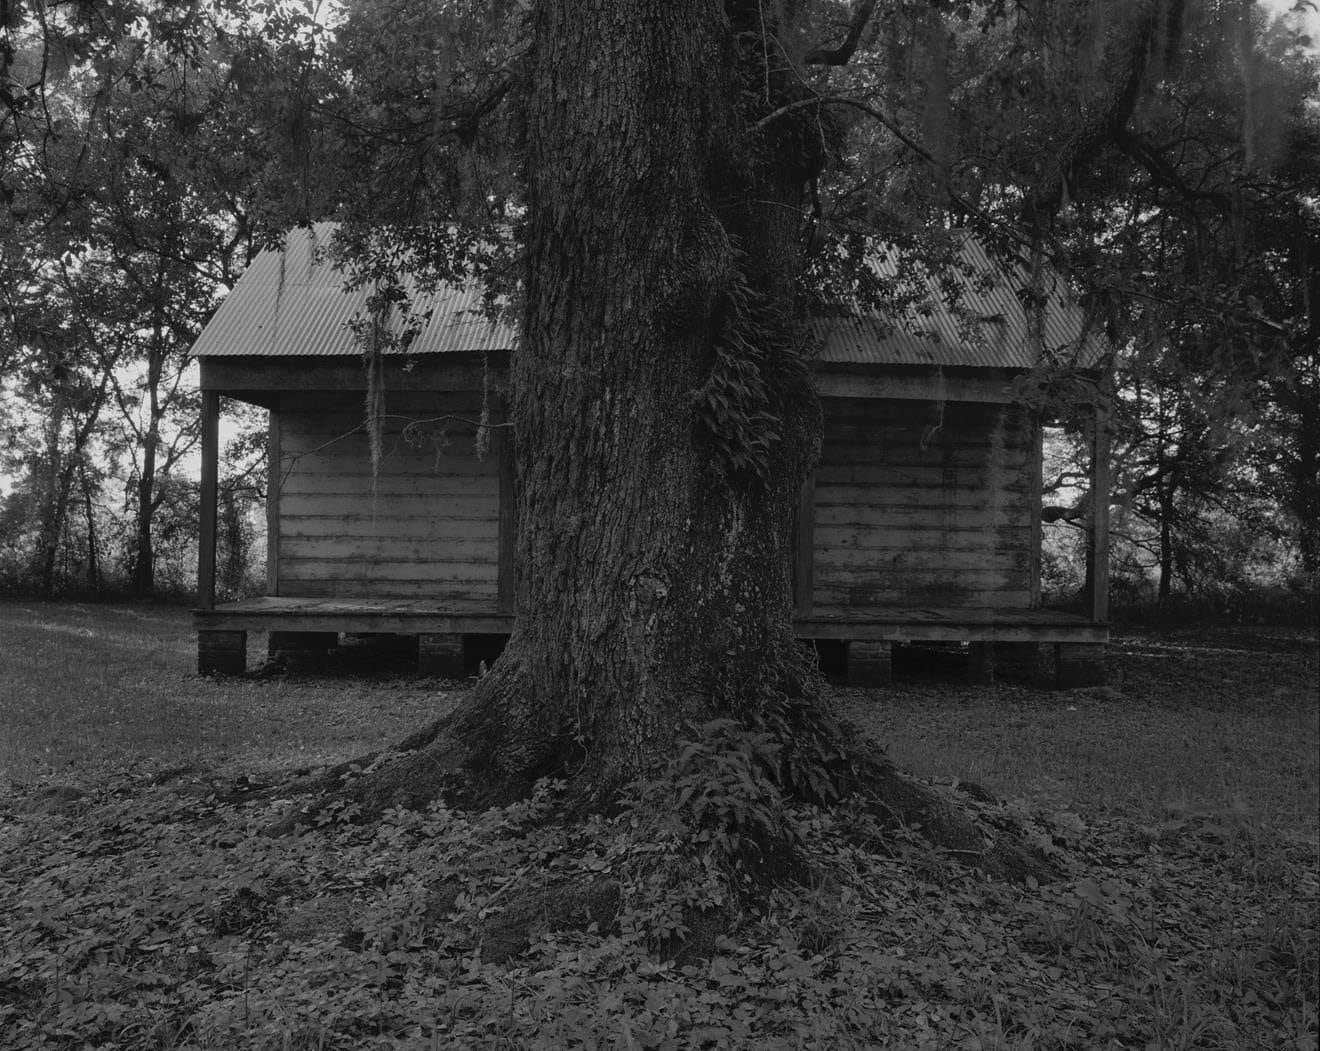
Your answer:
<point x="140" y="905"/>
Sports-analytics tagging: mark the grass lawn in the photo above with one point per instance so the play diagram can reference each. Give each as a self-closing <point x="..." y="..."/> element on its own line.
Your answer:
<point x="142" y="908"/>
<point x="90" y="689"/>
<point x="1218" y="719"/>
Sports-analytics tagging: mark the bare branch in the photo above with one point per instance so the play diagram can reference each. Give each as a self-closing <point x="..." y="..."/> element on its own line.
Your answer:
<point x="1163" y="172"/>
<point x="840" y="56"/>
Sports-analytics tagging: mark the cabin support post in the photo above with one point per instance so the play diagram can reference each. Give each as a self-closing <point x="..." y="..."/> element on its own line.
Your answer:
<point x="1020" y="661"/>
<point x="870" y="663"/>
<point x="440" y="656"/>
<point x="210" y="482"/>
<point x="981" y="664"/>
<point x="1097" y="539"/>
<point x="274" y="478"/>
<point x="295" y="642"/>
<point x="221" y="652"/>
<point x="1036" y="465"/>
<point x="1078" y="664"/>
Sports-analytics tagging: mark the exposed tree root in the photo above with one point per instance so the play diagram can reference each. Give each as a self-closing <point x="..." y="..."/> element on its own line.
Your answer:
<point x="471" y="759"/>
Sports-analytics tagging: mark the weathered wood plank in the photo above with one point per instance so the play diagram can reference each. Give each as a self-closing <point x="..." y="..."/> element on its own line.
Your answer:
<point x="856" y="599"/>
<point x="392" y="487"/>
<point x="319" y="402"/>
<point x="874" y="412"/>
<point x="475" y="548"/>
<point x="433" y="530"/>
<point x="210" y="425"/>
<point x="453" y="618"/>
<point x="428" y="372"/>
<point x="866" y="537"/>
<point x="969" y="457"/>
<point x="870" y="663"/>
<point x="942" y="387"/>
<point x="884" y="478"/>
<point x="920" y="518"/>
<point x="393" y="464"/>
<point x="416" y="429"/>
<point x="274" y="474"/>
<point x="932" y="499"/>
<point x="964" y="565"/>
<point x="222" y="652"/>
<point x="478" y="595"/>
<point x="414" y="505"/>
<point x="950" y="631"/>
<point x="380" y="570"/>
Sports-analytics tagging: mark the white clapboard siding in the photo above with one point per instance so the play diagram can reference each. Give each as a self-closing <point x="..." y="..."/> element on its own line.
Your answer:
<point x="917" y="505"/>
<point x="423" y="524"/>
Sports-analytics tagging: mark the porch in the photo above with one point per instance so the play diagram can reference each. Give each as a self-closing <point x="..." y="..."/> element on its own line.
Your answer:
<point x="1046" y="647"/>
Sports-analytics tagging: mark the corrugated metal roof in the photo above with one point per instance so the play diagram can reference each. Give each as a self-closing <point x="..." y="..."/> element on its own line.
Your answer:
<point x="987" y="326"/>
<point x="291" y="303"/>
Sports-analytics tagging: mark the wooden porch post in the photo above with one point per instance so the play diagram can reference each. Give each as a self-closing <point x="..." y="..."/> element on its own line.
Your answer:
<point x="1036" y="437"/>
<point x="274" y="478"/>
<point x="210" y="478"/>
<point x="1098" y="535"/>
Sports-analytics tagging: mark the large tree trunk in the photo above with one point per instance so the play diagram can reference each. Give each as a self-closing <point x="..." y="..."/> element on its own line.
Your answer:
<point x="94" y="582"/>
<point x="665" y="419"/>
<point x="654" y="518"/>
<point x="652" y="591"/>
<point x="664" y="414"/>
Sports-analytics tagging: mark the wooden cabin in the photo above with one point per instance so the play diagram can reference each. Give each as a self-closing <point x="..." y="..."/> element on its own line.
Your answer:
<point x="922" y="522"/>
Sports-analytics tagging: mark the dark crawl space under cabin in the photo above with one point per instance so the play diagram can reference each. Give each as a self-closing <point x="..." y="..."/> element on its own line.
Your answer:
<point x="921" y="525"/>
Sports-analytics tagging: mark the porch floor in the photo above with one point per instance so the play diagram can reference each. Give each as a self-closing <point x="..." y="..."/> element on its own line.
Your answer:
<point x="395" y="615"/>
<point x="420" y="616"/>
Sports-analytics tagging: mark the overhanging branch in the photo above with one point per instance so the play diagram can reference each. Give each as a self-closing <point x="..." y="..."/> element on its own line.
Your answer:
<point x="840" y="56"/>
<point x="1163" y="172"/>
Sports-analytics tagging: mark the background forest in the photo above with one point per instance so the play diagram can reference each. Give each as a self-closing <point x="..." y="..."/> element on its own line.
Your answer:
<point x="147" y="151"/>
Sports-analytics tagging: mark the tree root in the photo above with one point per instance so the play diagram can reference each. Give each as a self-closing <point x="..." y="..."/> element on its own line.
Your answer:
<point x="958" y="827"/>
<point x="490" y="751"/>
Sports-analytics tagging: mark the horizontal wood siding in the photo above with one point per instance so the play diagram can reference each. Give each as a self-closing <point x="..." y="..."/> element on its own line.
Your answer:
<point x="425" y="525"/>
<point x="921" y="505"/>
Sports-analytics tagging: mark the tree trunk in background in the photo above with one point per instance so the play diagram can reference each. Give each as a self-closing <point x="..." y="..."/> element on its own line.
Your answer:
<point x="1302" y="464"/>
<point x="1165" y="498"/>
<point x="143" y="582"/>
<point x="233" y="566"/>
<point x="52" y="507"/>
<point x="94" y="581"/>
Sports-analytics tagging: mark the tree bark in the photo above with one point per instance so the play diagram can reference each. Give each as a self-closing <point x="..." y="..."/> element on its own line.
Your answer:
<point x="94" y="582"/>
<point x="665" y="418"/>
<point x="54" y="499"/>
<point x="663" y="410"/>
<point x="1165" y="498"/>
<point x="144" y="555"/>
<point x="664" y="413"/>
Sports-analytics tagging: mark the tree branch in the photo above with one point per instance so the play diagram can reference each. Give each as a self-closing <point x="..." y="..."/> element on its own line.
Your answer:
<point x="846" y="100"/>
<point x="1163" y="172"/>
<point x="840" y="56"/>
